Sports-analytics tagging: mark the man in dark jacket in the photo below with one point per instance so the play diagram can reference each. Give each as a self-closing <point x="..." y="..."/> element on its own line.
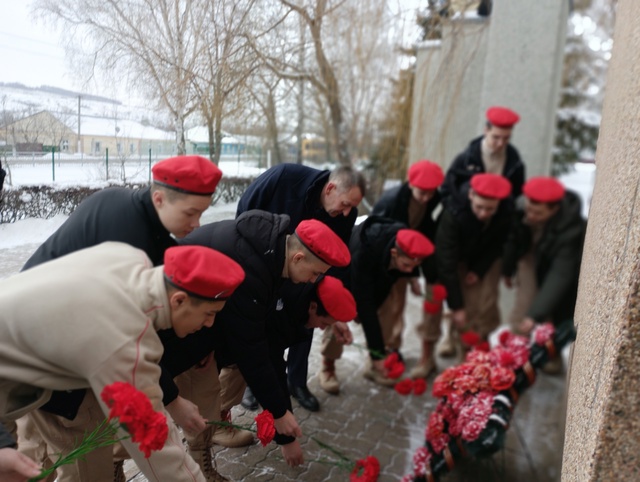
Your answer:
<point x="146" y="219"/>
<point x="305" y="193"/>
<point x="382" y="250"/>
<point x="14" y="466"/>
<point x="412" y="203"/>
<point x="489" y="153"/>
<point x="545" y="246"/>
<point x="260" y="243"/>
<point x="469" y="248"/>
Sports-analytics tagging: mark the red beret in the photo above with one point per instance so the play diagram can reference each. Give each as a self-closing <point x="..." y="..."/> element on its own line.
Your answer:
<point x="502" y="117"/>
<point x="324" y="243"/>
<point x="543" y="189"/>
<point x="188" y="174"/>
<point x="336" y="299"/>
<point x="414" y="244"/>
<point x="493" y="186"/>
<point x="202" y="272"/>
<point x="425" y="175"/>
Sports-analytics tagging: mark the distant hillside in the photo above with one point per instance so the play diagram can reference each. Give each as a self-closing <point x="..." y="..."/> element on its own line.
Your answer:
<point x="59" y="91"/>
<point x="21" y="100"/>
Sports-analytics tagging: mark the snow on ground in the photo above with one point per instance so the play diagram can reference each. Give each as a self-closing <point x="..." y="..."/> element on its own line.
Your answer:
<point x="18" y="240"/>
<point x="93" y="172"/>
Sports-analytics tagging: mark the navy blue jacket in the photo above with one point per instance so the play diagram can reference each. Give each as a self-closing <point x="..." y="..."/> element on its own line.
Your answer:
<point x="294" y="190"/>
<point x="113" y="214"/>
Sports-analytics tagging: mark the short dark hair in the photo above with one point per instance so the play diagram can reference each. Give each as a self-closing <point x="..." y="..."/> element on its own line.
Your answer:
<point x="346" y="177"/>
<point x="171" y="194"/>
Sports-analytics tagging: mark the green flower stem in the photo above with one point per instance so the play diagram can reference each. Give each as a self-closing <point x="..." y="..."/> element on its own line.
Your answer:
<point x="345" y="463"/>
<point x="220" y="423"/>
<point x="103" y="435"/>
<point x="375" y="353"/>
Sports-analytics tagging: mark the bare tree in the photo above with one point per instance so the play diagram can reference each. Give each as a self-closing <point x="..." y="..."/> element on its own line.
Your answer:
<point x="226" y="63"/>
<point x="153" y="45"/>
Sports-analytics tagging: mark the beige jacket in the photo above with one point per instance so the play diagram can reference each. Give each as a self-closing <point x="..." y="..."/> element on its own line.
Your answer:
<point x="87" y="320"/>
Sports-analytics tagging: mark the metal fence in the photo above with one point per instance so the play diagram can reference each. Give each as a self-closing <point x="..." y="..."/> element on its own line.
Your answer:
<point x="56" y="166"/>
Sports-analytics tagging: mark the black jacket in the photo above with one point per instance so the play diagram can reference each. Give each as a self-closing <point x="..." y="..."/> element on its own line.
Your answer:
<point x="114" y="214"/>
<point x="256" y="240"/>
<point x="462" y="238"/>
<point x="371" y="278"/>
<point x="394" y="204"/>
<point x="469" y="162"/>
<point x="557" y="259"/>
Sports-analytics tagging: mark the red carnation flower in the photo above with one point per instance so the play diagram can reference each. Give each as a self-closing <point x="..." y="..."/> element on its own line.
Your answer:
<point x="366" y="470"/>
<point x="391" y="359"/>
<point x="438" y="293"/>
<point x="404" y="387"/>
<point x="396" y="370"/>
<point x="419" y="386"/>
<point x="543" y="333"/>
<point x="483" y="346"/>
<point x="504" y="336"/>
<point x="431" y="307"/>
<point x="502" y="378"/>
<point x="134" y="412"/>
<point x="265" y="429"/>
<point x="470" y="338"/>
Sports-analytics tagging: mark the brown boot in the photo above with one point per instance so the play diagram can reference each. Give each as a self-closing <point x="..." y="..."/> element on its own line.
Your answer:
<point x="229" y="436"/>
<point x="207" y="464"/>
<point x="448" y="346"/>
<point x="427" y="363"/>
<point x="328" y="380"/>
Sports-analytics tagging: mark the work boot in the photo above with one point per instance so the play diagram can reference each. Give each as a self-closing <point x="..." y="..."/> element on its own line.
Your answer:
<point x="380" y="378"/>
<point x="118" y="472"/>
<point x="205" y="460"/>
<point x="448" y="344"/>
<point x="423" y="369"/>
<point x="249" y="400"/>
<point x="229" y="436"/>
<point x="327" y="375"/>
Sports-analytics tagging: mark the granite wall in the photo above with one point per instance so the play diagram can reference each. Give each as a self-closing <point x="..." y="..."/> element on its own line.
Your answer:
<point x="602" y="441"/>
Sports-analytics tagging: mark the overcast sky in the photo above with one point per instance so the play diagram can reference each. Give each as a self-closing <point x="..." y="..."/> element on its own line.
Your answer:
<point x="30" y="51"/>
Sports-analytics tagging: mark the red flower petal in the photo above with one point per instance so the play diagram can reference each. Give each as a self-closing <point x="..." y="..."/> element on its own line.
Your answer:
<point x="404" y="387"/>
<point x="419" y="386"/>
<point x="265" y="429"/>
<point x="470" y="338"/>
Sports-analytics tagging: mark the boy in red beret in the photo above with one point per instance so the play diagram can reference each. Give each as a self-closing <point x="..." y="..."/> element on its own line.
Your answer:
<point x="543" y="252"/>
<point x="260" y="243"/>
<point x="149" y="219"/>
<point x="490" y="153"/>
<point x="113" y="301"/>
<point x="413" y="203"/>
<point x="469" y="247"/>
<point x="382" y="251"/>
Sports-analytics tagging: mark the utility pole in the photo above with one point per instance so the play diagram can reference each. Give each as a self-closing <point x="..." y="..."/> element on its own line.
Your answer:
<point x="301" y="66"/>
<point x="79" y="138"/>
